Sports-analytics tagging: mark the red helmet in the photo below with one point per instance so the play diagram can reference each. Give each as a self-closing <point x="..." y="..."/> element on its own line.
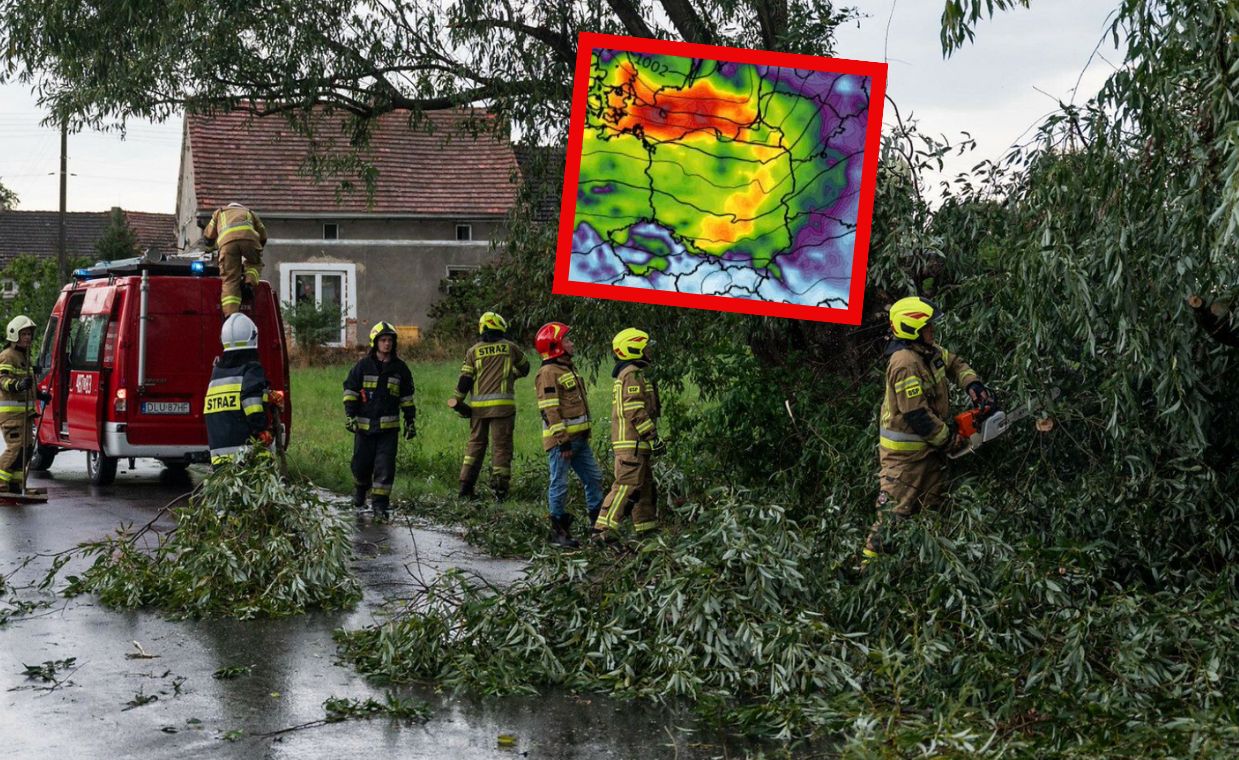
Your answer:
<point x="550" y="339"/>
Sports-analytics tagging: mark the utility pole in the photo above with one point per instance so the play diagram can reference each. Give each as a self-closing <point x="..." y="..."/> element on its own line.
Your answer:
<point x="64" y="188"/>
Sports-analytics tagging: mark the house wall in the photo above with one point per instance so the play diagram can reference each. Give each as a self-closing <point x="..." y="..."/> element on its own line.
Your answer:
<point x="187" y="232"/>
<point x="397" y="281"/>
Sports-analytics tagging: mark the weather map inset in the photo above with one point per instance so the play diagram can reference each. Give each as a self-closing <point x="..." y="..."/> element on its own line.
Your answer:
<point x="718" y="178"/>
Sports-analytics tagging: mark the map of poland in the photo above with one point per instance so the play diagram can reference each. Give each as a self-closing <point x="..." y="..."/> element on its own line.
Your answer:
<point x="719" y="178"/>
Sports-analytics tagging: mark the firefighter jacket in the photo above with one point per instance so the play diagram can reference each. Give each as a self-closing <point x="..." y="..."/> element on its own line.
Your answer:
<point x="234" y="408"/>
<point x="916" y="412"/>
<point x="231" y="224"/>
<point x="562" y="403"/>
<point x="634" y="408"/>
<point x="15" y="404"/>
<point x="490" y="369"/>
<point x="377" y="393"/>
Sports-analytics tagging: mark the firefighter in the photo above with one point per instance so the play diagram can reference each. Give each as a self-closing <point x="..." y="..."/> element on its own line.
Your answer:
<point x="235" y="408"/>
<point x="377" y="391"/>
<point x="491" y="367"/>
<point x="17" y="406"/>
<point x="917" y="430"/>
<point x="564" y="408"/>
<point x="634" y="437"/>
<point x="240" y="236"/>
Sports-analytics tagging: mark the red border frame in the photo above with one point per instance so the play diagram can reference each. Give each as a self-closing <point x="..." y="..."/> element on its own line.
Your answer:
<point x="586" y="43"/>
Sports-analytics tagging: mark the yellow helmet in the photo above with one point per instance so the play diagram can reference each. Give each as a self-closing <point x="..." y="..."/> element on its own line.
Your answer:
<point x="492" y="321"/>
<point x="910" y="315"/>
<point x="379" y="330"/>
<point x="630" y="343"/>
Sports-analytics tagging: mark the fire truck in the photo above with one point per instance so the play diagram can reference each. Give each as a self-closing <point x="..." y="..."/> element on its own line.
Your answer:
<point x="127" y="355"/>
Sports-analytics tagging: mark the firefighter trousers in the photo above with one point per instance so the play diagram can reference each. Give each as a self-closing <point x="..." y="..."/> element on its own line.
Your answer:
<point x="633" y="491"/>
<point x="239" y="260"/>
<point x="374" y="464"/>
<point x="499" y="430"/>
<point x="907" y="487"/>
<point x="14" y="457"/>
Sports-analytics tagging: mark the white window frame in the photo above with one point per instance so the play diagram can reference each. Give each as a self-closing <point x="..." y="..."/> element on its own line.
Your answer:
<point x="349" y="311"/>
<point x="469" y="231"/>
<point x="8" y="288"/>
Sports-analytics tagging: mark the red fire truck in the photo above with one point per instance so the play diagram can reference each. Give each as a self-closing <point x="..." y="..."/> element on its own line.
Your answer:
<point x="127" y="355"/>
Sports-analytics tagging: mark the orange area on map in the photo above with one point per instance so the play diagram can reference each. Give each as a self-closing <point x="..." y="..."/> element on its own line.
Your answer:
<point x="674" y="114"/>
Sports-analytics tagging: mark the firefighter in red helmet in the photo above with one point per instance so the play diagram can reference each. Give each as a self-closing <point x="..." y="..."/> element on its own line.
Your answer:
<point x="564" y="407"/>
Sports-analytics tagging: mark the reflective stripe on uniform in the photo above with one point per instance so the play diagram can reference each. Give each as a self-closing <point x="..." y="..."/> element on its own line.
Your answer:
<point x="228" y="450"/>
<point x="406" y="401"/>
<point x="8" y="406"/>
<point x="370" y="381"/>
<point x="351" y="395"/>
<point x="644" y="527"/>
<point x="230" y="300"/>
<point x="896" y="441"/>
<point x="548" y="403"/>
<point x="251" y="405"/>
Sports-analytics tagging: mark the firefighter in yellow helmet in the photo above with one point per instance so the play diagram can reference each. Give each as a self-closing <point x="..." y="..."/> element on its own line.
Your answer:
<point x="377" y="393"/>
<point x="240" y="235"/>
<point x="17" y="397"/>
<point x="916" y="428"/>
<point x="634" y="438"/>
<point x="491" y="368"/>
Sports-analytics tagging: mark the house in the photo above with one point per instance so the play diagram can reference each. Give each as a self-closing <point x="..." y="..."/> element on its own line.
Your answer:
<point x="37" y="233"/>
<point x="439" y="199"/>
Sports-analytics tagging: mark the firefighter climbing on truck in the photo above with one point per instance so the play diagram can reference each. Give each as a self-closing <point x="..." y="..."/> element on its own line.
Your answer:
<point x="240" y="235"/>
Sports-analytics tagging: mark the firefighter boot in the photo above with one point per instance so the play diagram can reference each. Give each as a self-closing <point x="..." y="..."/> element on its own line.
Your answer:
<point x="247" y="292"/>
<point x="382" y="507"/>
<point x="467" y="489"/>
<point x="359" y="498"/>
<point x="560" y="536"/>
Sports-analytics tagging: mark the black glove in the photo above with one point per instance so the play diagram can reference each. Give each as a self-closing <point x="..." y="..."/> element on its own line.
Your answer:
<point x="980" y="395"/>
<point x="410" y="429"/>
<point x="565" y="450"/>
<point x="23" y="384"/>
<point x="350" y="424"/>
<point x="45" y="396"/>
<point x="658" y="447"/>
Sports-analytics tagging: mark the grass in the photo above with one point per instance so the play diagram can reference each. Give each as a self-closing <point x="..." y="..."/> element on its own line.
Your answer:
<point x="428" y="467"/>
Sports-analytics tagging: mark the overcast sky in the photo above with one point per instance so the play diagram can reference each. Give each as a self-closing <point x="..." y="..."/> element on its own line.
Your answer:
<point x="989" y="88"/>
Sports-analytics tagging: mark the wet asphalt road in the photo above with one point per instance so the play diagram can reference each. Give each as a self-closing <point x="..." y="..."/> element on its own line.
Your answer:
<point x="92" y="714"/>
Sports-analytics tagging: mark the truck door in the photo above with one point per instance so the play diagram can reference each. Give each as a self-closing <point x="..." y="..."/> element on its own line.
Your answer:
<point x="87" y="377"/>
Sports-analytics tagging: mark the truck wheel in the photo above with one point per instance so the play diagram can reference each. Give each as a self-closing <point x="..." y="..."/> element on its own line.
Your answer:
<point x="43" y="457"/>
<point x="100" y="468"/>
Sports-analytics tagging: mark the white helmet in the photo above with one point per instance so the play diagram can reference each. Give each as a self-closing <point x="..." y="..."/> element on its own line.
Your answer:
<point x="16" y="325"/>
<point x="239" y="332"/>
<point x="234" y="204"/>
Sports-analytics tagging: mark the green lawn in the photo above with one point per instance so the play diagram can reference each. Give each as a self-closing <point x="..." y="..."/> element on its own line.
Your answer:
<point x="429" y="465"/>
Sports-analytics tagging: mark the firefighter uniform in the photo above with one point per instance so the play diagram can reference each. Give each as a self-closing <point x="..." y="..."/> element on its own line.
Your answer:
<point x="17" y="407"/>
<point x="235" y="407"/>
<point x="564" y="408"/>
<point x="239" y="234"/>
<point x="634" y="436"/>
<point x="916" y="429"/>
<point x="489" y="372"/>
<point x="376" y="394"/>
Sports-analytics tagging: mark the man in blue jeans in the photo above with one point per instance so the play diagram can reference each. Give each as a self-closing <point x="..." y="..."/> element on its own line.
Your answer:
<point x="564" y="408"/>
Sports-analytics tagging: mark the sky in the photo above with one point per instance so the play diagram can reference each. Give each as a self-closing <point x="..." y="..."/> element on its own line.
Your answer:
<point x="988" y="88"/>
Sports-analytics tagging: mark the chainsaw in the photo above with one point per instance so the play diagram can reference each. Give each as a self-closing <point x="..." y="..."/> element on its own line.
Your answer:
<point x="984" y="423"/>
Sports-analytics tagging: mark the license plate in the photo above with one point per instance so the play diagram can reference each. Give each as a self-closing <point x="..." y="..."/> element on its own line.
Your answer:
<point x="165" y="407"/>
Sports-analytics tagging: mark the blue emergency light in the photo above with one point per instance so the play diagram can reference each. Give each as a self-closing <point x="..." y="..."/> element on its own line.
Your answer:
<point x="198" y="268"/>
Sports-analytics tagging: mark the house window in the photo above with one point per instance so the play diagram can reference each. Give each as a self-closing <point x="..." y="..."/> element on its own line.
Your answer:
<point x="464" y="232"/>
<point x="458" y="273"/>
<point x="331" y="231"/>
<point x="8" y="288"/>
<point x="329" y="286"/>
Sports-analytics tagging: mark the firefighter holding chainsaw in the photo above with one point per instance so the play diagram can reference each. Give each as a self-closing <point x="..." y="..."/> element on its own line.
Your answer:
<point x="491" y="367"/>
<point x="377" y="391"/>
<point x="916" y="429"/>
<point x="235" y="406"/>
<point x="17" y="407"/>
<point x="239" y="234"/>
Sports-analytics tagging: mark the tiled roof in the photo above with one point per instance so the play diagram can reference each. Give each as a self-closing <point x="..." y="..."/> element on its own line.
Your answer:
<point x="256" y="162"/>
<point x="38" y="232"/>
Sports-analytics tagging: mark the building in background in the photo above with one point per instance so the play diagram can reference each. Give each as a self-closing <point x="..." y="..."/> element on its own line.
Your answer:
<point x="440" y="197"/>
